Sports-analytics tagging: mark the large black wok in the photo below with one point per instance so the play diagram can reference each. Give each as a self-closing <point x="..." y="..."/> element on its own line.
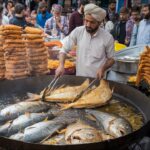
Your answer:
<point x="13" y="91"/>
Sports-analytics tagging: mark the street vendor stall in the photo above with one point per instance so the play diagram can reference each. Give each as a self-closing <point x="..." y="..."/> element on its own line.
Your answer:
<point x="132" y="67"/>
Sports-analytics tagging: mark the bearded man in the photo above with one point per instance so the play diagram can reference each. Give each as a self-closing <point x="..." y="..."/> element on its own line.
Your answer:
<point x="141" y="32"/>
<point x="95" y="46"/>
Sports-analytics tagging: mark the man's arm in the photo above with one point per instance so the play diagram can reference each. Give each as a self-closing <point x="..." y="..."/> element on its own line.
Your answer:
<point x="60" y="70"/>
<point x="109" y="62"/>
<point x="67" y="42"/>
<point x="110" y="58"/>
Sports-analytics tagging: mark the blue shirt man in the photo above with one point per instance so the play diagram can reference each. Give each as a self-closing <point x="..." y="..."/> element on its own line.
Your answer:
<point x="41" y="18"/>
<point x="141" y="32"/>
<point x="143" y="36"/>
<point x="43" y="14"/>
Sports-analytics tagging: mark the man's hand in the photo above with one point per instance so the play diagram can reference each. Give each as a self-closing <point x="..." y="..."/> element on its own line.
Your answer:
<point x="59" y="71"/>
<point x="100" y="73"/>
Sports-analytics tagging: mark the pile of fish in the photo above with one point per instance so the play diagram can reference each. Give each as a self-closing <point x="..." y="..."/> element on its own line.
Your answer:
<point x="94" y="97"/>
<point x="45" y="123"/>
<point x="49" y="123"/>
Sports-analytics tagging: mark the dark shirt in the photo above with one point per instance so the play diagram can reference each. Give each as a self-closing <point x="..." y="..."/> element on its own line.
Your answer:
<point x="33" y="5"/>
<point x="112" y="16"/>
<point x="119" y="32"/>
<point x="19" y="21"/>
<point x="76" y="20"/>
<point x="122" y="35"/>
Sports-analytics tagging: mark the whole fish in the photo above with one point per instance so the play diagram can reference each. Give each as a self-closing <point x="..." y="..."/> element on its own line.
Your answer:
<point x="15" y="110"/>
<point x="66" y="94"/>
<point x="79" y="133"/>
<point x="113" y="125"/>
<point x="41" y="130"/>
<point x="95" y="98"/>
<point x="24" y="121"/>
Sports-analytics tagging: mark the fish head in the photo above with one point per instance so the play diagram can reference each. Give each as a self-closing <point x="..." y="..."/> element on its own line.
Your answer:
<point x="119" y="127"/>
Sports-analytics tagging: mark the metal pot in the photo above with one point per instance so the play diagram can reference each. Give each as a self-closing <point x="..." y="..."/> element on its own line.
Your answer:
<point x="126" y="66"/>
<point x="10" y="91"/>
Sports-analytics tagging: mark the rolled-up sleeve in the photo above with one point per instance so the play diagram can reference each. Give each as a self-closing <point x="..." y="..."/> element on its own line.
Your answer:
<point x="110" y="53"/>
<point x="69" y="41"/>
<point x="48" y="26"/>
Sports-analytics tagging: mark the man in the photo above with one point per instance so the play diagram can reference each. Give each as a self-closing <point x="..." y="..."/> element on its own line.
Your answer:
<point x="76" y="18"/>
<point x="134" y="19"/>
<point x="141" y="32"/>
<point x="119" y="31"/>
<point x="95" y="46"/>
<point x="57" y="24"/>
<point x="111" y="12"/>
<point x="3" y="19"/>
<point x="19" y="17"/>
<point x="43" y="14"/>
<point x="34" y="5"/>
<point x="9" y="7"/>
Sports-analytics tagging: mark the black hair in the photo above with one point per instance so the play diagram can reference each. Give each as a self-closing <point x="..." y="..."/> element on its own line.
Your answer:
<point x="112" y="1"/>
<point x="9" y="1"/>
<point x="1" y="8"/>
<point x="19" y="8"/>
<point x="83" y="2"/>
<point x="135" y="9"/>
<point x="124" y="10"/>
<point x="147" y="5"/>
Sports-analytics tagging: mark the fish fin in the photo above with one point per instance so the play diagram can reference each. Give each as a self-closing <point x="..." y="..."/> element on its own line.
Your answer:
<point x="27" y="114"/>
<point x="61" y="131"/>
<point x="33" y="97"/>
<point x="46" y="119"/>
<point x="113" y="89"/>
<point x="90" y="117"/>
<point x="10" y="121"/>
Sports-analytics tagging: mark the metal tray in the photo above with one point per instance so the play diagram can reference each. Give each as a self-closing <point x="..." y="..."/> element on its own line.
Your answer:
<point x="126" y="61"/>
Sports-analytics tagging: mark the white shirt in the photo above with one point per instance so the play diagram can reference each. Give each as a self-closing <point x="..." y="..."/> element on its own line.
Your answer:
<point x="92" y="52"/>
<point x="5" y="20"/>
<point x="109" y="26"/>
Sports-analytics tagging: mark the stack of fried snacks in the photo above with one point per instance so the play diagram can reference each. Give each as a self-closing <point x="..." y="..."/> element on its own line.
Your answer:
<point x="37" y="53"/>
<point x="15" y="52"/>
<point x="144" y="67"/>
<point x="2" y="61"/>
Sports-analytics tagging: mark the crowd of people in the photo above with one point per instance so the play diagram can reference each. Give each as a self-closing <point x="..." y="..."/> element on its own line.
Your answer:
<point x="129" y="27"/>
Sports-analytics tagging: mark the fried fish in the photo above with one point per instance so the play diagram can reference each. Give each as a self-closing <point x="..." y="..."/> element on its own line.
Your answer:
<point x="97" y="97"/>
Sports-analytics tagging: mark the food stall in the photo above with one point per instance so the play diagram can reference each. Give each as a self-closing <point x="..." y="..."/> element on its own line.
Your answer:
<point x="75" y="112"/>
<point x="127" y="68"/>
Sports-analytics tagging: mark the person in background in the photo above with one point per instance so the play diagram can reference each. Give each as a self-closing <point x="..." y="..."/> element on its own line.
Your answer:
<point x="3" y="19"/>
<point x="76" y="18"/>
<point x="33" y="20"/>
<point x="134" y="19"/>
<point x="43" y="15"/>
<point x="109" y="25"/>
<point x="111" y="11"/>
<point x="19" y="17"/>
<point x="119" y="31"/>
<point x="57" y="23"/>
<point x="141" y="32"/>
<point x="95" y="46"/>
<point x="9" y="11"/>
<point x="34" y="5"/>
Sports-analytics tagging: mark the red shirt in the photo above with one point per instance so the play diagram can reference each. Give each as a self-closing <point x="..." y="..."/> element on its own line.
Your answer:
<point x="76" y="20"/>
